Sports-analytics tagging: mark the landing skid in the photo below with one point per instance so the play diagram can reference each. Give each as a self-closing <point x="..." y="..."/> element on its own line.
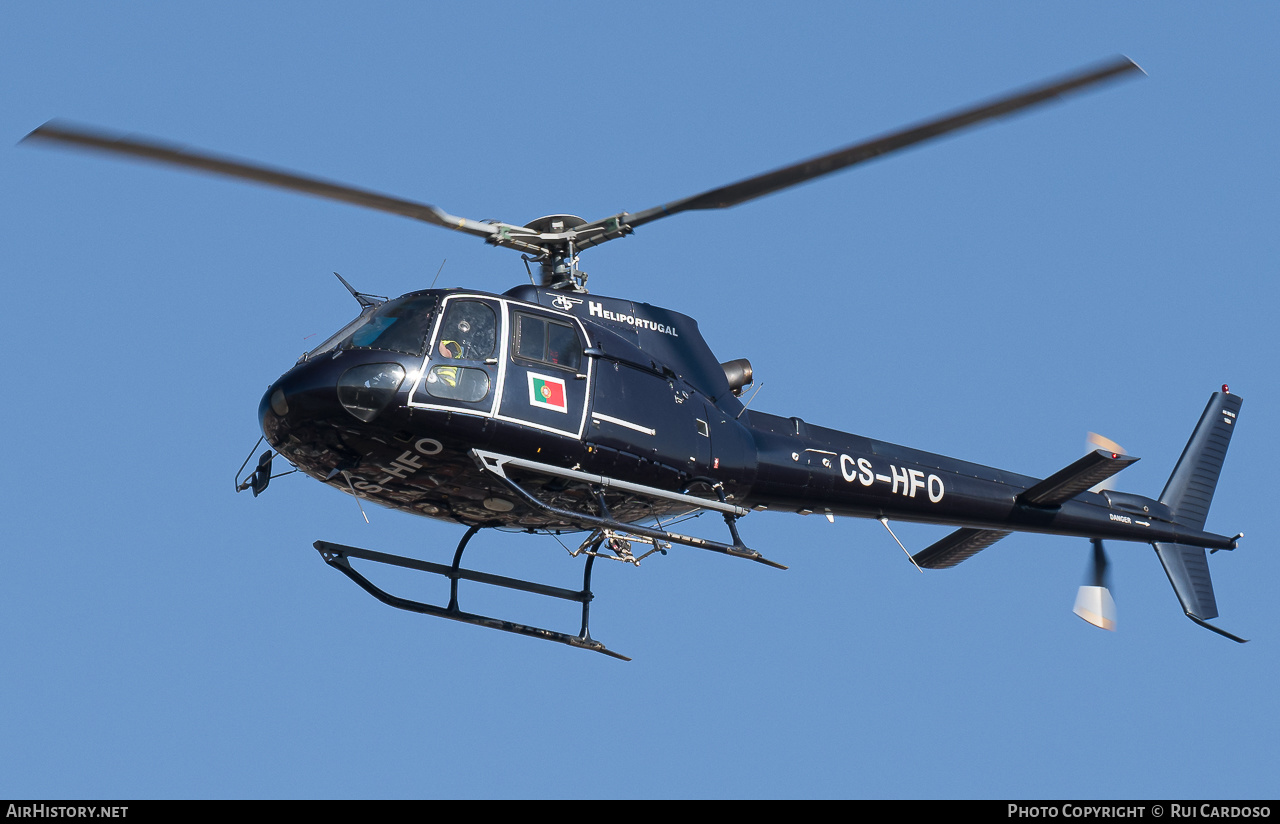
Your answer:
<point x="608" y="538"/>
<point x="337" y="555"/>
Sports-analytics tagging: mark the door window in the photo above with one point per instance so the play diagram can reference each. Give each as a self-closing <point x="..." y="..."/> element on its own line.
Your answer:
<point x="547" y="341"/>
<point x="462" y="357"/>
<point x="469" y="331"/>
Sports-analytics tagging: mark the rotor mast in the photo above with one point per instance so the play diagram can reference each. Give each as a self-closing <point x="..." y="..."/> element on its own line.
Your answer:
<point x="559" y="258"/>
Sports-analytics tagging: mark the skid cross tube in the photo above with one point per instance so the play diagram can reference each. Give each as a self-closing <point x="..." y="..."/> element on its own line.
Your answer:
<point x="496" y="464"/>
<point x="337" y="555"/>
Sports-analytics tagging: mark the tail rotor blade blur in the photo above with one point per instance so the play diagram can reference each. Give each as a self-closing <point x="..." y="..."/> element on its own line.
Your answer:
<point x="1093" y="601"/>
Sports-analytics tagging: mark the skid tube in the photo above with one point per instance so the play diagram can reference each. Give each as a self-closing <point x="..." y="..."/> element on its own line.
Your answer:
<point x="337" y="555"/>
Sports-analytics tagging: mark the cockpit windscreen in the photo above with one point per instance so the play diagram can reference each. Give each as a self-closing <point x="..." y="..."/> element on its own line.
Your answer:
<point x="399" y="325"/>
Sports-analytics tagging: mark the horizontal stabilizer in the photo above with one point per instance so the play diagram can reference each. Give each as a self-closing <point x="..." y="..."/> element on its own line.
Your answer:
<point x="960" y="545"/>
<point x="1067" y="483"/>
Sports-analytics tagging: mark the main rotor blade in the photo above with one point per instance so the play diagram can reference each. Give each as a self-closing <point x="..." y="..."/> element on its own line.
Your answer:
<point x="806" y="170"/>
<point x="88" y="138"/>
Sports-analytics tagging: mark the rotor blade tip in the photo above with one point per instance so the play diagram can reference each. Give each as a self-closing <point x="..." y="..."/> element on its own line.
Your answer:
<point x="37" y="132"/>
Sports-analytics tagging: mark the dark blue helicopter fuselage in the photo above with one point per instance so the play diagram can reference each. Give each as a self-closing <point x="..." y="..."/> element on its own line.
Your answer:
<point x="394" y="406"/>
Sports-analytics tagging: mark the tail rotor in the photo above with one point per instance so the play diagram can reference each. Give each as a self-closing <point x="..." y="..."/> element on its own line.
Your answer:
<point x="1094" y="602"/>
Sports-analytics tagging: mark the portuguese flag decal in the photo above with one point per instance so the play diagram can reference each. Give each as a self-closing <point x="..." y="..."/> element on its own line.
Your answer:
<point x="547" y="392"/>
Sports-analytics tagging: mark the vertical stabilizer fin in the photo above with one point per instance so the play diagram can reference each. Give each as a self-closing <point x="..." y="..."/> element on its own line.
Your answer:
<point x="1189" y="491"/>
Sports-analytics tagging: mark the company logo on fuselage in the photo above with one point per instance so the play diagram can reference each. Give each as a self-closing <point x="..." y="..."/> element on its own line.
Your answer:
<point x="598" y="311"/>
<point x="564" y="302"/>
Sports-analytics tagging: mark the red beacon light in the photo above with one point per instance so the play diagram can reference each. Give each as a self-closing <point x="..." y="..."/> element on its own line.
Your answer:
<point x="1225" y="390"/>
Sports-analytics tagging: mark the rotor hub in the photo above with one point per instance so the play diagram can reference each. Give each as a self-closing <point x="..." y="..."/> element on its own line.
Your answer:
<point x="559" y="263"/>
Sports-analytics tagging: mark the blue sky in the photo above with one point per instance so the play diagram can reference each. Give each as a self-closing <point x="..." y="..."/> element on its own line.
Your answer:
<point x="1102" y="264"/>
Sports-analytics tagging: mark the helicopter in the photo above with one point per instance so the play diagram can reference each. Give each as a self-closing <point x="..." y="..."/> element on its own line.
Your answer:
<point x="550" y="409"/>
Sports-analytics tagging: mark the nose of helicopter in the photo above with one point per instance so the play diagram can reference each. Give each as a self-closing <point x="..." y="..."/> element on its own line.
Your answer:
<point x="328" y="392"/>
<point x="301" y="415"/>
<point x="305" y="392"/>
